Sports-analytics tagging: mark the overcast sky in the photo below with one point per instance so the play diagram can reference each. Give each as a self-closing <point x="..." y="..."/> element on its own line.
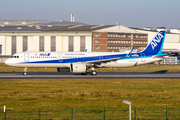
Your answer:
<point x="130" y="13"/>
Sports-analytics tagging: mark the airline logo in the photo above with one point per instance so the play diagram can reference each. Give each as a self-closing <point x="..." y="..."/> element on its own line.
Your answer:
<point x="156" y="40"/>
<point x="44" y="54"/>
<point x="135" y="55"/>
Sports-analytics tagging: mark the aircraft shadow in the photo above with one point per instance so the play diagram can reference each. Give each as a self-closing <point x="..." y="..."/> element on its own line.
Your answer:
<point x="161" y="71"/>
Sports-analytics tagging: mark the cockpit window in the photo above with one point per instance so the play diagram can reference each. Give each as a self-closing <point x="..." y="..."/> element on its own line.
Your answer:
<point x="14" y="56"/>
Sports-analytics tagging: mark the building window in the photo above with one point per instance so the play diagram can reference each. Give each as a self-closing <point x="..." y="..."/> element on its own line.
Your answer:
<point x="97" y="35"/>
<point x="96" y="47"/>
<point x="71" y="43"/>
<point x="41" y="43"/>
<point x="82" y="43"/>
<point x="96" y="41"/>
<point x="53" y="43"/>
<point x="25" y="43"/>
<point x="13" y="45"/>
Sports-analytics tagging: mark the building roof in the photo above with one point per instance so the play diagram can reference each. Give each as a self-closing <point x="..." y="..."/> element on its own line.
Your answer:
<point x="80" y="28"/>
<point x="37" y="22"/>
<point x="53" y="26"/>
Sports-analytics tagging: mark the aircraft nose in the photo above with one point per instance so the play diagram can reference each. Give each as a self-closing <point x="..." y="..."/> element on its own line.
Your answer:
<point x="7" y="62"/>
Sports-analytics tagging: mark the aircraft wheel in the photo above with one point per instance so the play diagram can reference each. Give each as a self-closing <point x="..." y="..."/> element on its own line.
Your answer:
<point x="93" y="72"/>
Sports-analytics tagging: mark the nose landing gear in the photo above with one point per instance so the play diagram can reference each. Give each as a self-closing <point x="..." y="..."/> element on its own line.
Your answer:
<point x="25" y="69"/>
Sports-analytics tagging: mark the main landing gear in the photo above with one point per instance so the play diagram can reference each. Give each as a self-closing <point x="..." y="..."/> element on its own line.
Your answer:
<point x="93" y="72"/>
<point x="25" y="69"/>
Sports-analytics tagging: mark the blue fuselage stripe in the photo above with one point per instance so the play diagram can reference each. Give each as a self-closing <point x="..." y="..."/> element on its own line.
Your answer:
<point x="91" y="58"/>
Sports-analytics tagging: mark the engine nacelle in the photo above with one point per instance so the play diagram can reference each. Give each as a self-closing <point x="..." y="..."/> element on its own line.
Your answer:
<point x="78" y="68"/>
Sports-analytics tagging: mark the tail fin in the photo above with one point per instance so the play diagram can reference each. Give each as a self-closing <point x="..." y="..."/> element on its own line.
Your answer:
<point x="156" y="45"/>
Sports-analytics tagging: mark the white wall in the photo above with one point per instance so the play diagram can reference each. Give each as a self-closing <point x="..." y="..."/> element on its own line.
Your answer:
<point x="19" y="45"/>
<point x="35" y="43"/>
<point x="171" y="40"/>
<point x="65" y="43"/>
<point x="88" y="44"/>
<point x="30" y="43"/>
<point x="171" y="46"/>
<point x="8" y="45"/>
<point x="59" y="43"/>
<point x="47" y="43"/>
<point x="118" y="28"/>
<point x="76" y="43"/>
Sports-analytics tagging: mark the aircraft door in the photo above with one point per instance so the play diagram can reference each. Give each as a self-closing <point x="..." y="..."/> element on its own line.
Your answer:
<point x="26" y="57"/>
<point x="60" y="57"/>
<point x="143" y="59"/>
<point x="100" y="57"/>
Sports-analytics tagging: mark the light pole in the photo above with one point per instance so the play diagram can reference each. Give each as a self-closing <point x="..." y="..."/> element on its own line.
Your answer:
<point x="129" y="103"/>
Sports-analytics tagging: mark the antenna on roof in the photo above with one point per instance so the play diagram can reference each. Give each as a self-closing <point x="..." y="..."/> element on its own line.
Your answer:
<point x="72" y="17"/>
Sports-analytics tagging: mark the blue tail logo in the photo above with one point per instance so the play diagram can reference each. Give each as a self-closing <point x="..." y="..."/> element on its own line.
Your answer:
<point x="156" y="45"/>
<point x="156" y="40"/>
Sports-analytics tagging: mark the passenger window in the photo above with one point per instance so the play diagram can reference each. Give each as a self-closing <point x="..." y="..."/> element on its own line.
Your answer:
<point x="17" y="56"/>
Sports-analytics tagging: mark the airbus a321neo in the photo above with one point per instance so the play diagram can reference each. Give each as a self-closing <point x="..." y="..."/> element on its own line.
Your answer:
<point x="80" y="62"/>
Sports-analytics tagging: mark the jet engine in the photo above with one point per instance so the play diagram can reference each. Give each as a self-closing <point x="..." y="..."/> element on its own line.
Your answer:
<point x="78" y="68"/>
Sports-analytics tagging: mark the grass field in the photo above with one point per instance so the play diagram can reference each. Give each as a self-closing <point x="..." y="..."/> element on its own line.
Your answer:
<point x="142" y="68"/>
<point x="68" y="93"/>
<point x="88" y="93"/>
<point x="83" y="94"/>
<point x="89" y="97"/>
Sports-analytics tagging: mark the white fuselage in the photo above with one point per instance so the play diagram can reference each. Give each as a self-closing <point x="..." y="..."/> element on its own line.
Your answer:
<point x="64" y="59"/>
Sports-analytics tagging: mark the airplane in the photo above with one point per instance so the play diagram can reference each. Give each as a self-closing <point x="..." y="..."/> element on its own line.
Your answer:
<point x="80" y="62"/>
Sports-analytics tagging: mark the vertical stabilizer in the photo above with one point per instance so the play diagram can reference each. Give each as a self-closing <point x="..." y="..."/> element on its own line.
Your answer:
<point x="156" y="45"/>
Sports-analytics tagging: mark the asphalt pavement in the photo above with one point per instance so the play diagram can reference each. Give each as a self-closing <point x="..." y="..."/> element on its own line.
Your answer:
<point x="57" y="75"/>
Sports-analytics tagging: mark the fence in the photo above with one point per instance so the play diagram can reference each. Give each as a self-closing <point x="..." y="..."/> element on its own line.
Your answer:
<point x="120" y="113"/>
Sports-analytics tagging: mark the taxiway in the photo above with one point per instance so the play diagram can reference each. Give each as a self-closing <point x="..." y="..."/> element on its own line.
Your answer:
<point x="79" y="76"/>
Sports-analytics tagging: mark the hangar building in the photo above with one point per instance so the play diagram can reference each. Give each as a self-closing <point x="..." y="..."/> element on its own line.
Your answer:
<point x="43" y="35"/>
